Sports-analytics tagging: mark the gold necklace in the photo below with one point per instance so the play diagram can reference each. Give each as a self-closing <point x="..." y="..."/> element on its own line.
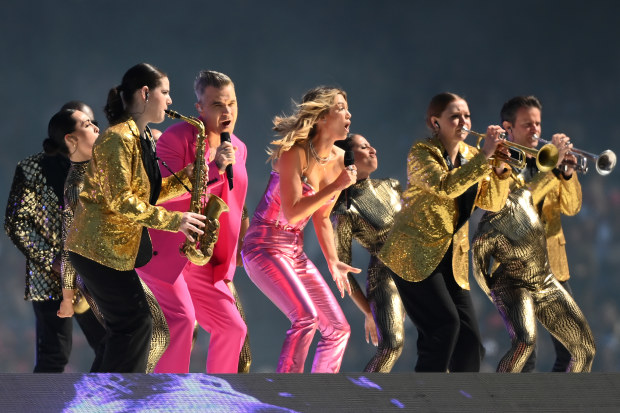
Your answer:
<point x="321" y="161"/>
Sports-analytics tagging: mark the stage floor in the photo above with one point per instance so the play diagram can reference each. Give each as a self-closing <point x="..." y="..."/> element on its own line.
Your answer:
<point x="344" y="392"/>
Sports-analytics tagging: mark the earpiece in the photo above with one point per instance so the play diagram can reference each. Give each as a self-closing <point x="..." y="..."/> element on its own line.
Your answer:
<point x="437" y="124"/>
<point x="146" y="95"/>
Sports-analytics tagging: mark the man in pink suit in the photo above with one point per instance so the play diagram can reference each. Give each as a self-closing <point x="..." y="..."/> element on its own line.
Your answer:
<point x="187" y="292"/>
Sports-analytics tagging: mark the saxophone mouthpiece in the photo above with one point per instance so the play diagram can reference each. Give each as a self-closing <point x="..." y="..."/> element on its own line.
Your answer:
<point x="172" y="114"/>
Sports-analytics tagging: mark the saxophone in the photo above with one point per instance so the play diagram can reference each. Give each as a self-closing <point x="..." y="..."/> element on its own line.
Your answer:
<point x="200" y="251"/>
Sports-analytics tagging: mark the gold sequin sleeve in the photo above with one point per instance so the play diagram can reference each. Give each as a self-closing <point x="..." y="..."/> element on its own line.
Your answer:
<point x="570" y="195"/>
<point x="425" y="172"/>
<point x="568" y="190"/>
<point x="493" y="191"/>
<point x="66" y="268"/>
<point x="170" y="187"/>
<point x="559" y="196"/>
<point x="73" y="186"/>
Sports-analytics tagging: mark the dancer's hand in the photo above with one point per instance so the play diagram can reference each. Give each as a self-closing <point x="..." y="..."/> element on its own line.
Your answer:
<point x="371" y="330"/>
<point x="66" y="308"/>
<point x="339" y="272"/>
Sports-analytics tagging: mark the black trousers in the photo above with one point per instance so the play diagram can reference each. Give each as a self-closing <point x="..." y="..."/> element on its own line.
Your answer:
<point x="562" y="355"/>
<point x="54" y="336"/>
<point x="94" y="333"/>
<point x="443" y="313"/>
<point x="121" y="300"/>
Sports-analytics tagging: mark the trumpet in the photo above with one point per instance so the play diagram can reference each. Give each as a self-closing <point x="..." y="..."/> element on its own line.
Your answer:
<point x="546" y="157"/>
<point x="605" y="162"/>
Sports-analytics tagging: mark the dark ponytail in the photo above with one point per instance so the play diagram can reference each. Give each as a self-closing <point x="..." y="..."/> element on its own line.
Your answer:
<point x="121" y="97"/>
<point x="114" y="109"/>
<point x="59" y="125"/>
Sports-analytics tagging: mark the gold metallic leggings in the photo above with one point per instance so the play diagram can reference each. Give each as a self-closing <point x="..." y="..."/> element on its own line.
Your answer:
<point x="389" y="313"/>
<point x="557" y="312"/>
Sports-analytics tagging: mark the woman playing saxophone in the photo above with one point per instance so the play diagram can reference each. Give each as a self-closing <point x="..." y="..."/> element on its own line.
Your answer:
<point x="108" y="238"/>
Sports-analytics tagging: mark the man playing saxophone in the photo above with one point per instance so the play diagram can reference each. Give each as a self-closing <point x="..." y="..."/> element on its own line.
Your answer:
<point x="188" y="292"/>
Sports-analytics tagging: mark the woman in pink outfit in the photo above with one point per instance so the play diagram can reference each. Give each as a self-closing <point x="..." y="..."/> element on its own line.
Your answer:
<point x="308" y="175"/>
<point x="187" y="292"/>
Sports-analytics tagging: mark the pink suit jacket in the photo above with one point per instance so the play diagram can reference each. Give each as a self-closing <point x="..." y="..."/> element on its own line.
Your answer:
<point x="177" y="148"/>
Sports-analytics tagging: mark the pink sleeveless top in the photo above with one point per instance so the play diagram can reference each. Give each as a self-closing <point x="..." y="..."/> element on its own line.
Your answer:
<point x="269" y="210"/>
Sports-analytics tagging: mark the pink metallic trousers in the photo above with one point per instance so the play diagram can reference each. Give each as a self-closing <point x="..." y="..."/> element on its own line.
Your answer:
<point x="275" y="261"/>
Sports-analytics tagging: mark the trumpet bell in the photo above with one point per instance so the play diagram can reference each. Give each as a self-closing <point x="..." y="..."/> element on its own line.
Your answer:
<point x="606" y="162"/>
<point x="547" y="157"/>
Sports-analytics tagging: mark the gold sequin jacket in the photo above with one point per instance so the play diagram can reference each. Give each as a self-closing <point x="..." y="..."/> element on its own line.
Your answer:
<point x="424" y="227"/>
<point x="559" y="196"/>
<point x="114" y="203"/>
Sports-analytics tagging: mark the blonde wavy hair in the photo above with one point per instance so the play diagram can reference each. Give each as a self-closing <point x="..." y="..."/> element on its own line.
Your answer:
<point x="301" y="126"/>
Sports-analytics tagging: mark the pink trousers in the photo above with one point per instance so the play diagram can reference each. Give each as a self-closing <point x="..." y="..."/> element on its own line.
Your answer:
<point x="216" y="313"/>
<point x="176" y="303"/>
<point x="275" y="261"/>
<point x="194" y="297"/>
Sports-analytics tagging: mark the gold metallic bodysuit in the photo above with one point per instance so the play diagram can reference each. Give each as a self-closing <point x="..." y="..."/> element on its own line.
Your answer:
<point x="70" y="279"/>
<point x="523" y="287"/>
<point x="374" y="203"/>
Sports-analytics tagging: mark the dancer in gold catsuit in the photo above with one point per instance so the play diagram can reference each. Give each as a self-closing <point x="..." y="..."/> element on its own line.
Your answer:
<point x="522" y="119"/>
<point x="523" y="287"/>
<point x="368" y="219"/>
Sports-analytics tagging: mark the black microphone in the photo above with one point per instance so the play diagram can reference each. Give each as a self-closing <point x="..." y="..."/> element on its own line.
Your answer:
<point x="225" y="137"/>
<point x="349" y="159"/>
